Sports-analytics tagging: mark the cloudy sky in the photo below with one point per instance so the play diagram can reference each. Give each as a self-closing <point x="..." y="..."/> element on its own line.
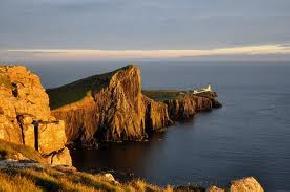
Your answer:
<point x="143" y="28"/>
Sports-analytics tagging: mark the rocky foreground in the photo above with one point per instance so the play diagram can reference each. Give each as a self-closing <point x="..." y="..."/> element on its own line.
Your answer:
<point x="108" y="107"/>
<point x="24" y="169"/>
<point x="25" y="116"/>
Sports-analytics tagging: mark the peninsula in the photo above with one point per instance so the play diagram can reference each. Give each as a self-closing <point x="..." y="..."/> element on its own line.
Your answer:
<point x="112" y="107"/>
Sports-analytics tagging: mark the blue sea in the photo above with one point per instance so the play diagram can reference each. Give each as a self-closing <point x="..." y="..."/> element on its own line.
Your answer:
<point x="249" y="136"/>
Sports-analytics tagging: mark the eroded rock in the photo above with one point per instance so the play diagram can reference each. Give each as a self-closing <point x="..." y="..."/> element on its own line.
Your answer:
<point x="25" y="116"/>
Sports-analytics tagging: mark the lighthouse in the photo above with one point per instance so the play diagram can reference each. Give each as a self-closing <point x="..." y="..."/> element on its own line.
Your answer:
<point x="208" y="89"/>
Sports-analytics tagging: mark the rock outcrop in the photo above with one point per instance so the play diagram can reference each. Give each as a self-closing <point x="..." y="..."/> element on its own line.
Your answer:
<point x="248" y="184"/>
<point x="108" y="107"/>
<point x="184" y="107"/>
<point x="25" y="116"/>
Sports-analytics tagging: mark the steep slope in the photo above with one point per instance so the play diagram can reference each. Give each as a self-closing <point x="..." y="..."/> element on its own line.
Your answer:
<point x="25" y="114"/>
<point x="108" y="107"/>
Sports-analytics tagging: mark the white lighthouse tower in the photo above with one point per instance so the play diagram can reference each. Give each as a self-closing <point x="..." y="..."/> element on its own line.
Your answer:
<point x="208" y="89"/>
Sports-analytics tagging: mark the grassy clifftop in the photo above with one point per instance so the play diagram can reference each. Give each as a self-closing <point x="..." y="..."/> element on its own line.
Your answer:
<point x="161" y="95"/>
<point x="79" y="89"/>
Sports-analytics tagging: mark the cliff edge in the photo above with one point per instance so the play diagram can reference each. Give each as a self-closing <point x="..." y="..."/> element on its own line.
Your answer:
<point x="25" y="116"/>
<point x="108" y="107"/>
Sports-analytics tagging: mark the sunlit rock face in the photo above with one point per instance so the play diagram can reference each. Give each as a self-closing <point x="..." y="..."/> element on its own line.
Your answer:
<point x="25" y="116"/>
<point x="248" y="184"/>
<point x="112" y="108"/>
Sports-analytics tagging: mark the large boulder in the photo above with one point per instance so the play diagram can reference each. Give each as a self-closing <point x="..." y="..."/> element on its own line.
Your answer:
<point x="248" y="184"/>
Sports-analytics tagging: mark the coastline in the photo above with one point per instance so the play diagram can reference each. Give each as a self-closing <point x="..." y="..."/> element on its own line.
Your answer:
<point x="155" y="113"/>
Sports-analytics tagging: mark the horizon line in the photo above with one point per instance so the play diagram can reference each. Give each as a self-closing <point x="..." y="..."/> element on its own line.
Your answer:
<point x="270" y="49"/>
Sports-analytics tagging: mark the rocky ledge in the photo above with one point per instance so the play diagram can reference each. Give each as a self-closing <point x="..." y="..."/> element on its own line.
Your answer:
<point x="112" y="107"/>
<point x="25" y="116"/>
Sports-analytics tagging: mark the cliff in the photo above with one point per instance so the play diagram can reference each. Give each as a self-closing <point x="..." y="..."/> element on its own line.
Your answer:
<point x="112" y="107"/>
<point x="108" y="107"/>
<point x="183" y="105"/>
<point x="25" y="116"/>
<point x="186" y="106"/>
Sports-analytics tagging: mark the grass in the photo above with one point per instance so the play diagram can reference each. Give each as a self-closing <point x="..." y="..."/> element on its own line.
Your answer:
<point x="10" y="150"/>
<point x="50" y="179"/>
<point x="161" y="95"/>
<point x="77" y="90"/>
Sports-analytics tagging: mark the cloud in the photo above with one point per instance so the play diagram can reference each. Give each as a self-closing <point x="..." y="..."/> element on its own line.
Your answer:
<point x="113" y="54"/>
<point x="139" y="24"/>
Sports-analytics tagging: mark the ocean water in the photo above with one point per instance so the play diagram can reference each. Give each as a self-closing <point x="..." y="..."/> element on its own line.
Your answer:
<point x="249" y="136"/>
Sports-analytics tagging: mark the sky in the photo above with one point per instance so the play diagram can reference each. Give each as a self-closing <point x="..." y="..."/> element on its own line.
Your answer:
<point x="61" y="29"/>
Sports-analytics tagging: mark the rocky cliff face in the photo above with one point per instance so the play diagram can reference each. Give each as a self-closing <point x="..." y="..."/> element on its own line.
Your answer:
<point x="184" y="107"/>
<point x="111" y="108"/>
<point x="25" y="116"/>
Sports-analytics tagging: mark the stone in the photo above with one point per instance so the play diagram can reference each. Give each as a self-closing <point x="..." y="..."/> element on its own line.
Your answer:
<point x="249" y="184"/>
<point x="111" y="178"/>
<point x="61" y="157"/>
<point x="215" y="189"/>
<point x="51" y="136"/>
<point x="25" y="116"/>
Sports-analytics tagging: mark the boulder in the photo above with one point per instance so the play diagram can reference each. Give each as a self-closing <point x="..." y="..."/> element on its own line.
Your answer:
<point x="249" y="184"/>
<point x="61" y="157"/>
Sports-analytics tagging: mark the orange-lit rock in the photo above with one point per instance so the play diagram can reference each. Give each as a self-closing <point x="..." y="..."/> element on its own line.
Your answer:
<point x="25" y="116"/>
<point x="112" y="108"/>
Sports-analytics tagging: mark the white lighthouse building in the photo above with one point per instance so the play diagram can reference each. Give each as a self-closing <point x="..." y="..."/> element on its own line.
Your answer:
<point x="203" y="90"/>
